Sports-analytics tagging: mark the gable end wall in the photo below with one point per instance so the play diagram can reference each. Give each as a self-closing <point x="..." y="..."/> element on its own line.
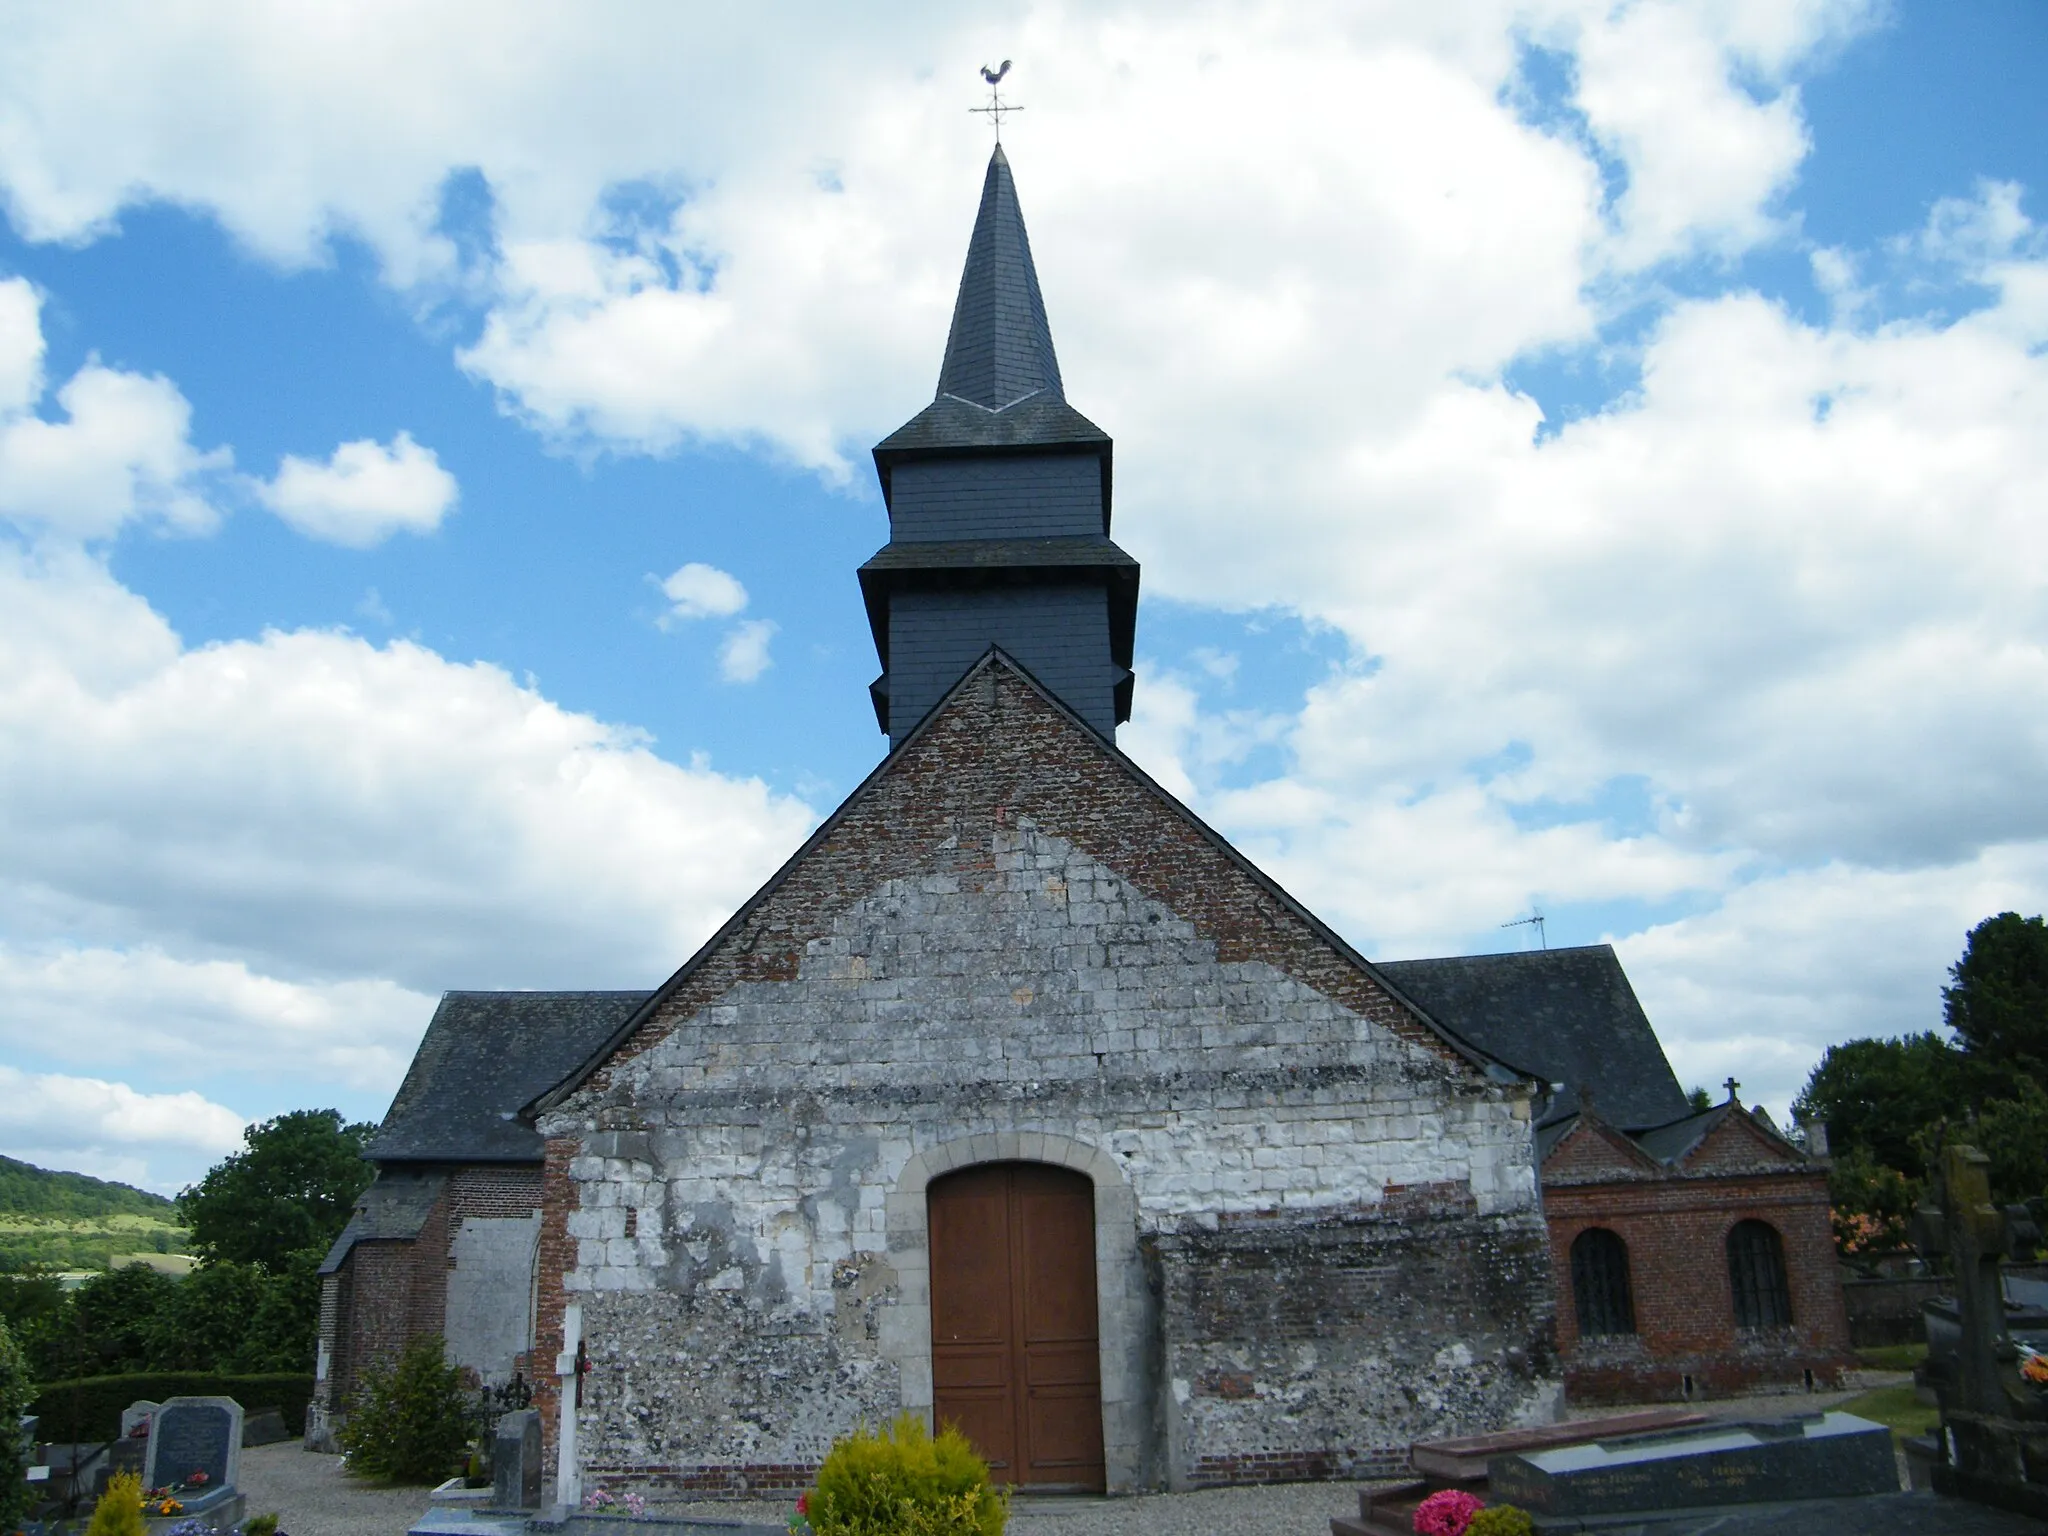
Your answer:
<point x="1009" y="948"/>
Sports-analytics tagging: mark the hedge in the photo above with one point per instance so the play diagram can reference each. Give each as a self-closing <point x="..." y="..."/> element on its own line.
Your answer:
<point x="89" y="1407"/>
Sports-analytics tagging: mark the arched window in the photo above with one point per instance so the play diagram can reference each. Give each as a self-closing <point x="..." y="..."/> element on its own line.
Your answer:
<point x="1600" y="1283"/>
<point x="1756" y="1274"/>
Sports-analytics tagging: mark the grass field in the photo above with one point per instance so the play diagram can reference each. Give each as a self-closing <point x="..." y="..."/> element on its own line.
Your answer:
<point x="1896" y="1408"/>
<point x="1892" y="1357"/>
<point x="84" y="1242"/>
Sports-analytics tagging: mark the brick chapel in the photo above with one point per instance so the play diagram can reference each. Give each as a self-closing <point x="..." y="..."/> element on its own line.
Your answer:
<point x="1020" y="1099"/>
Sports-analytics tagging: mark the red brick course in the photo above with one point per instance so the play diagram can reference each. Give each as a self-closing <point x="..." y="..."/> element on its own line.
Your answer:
<point x="557" y="1258"/>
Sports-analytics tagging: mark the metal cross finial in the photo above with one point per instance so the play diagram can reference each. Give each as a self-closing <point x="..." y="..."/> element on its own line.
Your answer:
<point x="996" y="105"/>
<point x="1733" y="1088"/>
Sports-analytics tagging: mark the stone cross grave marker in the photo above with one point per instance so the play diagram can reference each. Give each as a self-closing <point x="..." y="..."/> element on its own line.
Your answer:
<point x="1962" y="1222"/>
<point x="194" y="1434"/>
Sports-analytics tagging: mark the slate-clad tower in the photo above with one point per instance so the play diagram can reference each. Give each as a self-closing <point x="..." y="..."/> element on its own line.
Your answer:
<point x="998" y="497"/>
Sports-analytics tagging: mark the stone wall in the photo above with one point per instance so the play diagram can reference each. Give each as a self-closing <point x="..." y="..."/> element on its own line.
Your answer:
<point x="1010" y="947"/>
<point x="1322" y="1348"/>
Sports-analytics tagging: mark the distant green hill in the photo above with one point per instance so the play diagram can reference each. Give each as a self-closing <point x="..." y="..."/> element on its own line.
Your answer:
<point x="70" y="1221"/>
<point x="26" y="1190"/>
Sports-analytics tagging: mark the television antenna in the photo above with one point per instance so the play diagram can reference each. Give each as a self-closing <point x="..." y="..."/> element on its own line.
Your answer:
<point x="1533" y="920"/>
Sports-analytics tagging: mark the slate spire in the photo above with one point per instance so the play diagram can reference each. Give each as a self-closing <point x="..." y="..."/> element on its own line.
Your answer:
<point x="999" y="351"/>
<point x="998" y="497"/>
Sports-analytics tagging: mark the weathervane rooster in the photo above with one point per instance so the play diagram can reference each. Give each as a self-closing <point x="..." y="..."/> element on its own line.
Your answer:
<point x="996" y="105"/>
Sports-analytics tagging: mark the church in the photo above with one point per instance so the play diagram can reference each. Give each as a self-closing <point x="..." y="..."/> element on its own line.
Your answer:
<point x="1018" y="1098"/>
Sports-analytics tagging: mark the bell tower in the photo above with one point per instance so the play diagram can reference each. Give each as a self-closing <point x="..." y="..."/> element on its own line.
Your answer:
<point x="998" y="497"/>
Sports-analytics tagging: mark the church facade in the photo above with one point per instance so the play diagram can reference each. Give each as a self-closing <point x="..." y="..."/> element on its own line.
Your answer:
<point x="1252" y="1216"/>
<point x="1018" y="1099"/>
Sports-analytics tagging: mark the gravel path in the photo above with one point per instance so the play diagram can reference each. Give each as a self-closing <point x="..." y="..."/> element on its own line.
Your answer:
<point x="314" y="1497"/>
<point x="1290" y="1509"/>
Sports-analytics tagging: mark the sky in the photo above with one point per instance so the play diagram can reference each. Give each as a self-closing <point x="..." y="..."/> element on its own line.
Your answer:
<point x="1585" y="458"/>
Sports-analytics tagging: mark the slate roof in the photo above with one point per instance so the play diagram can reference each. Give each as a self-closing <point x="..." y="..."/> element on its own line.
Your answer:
<point x="1671" y="1144"/>
<point x="1000" y="348"/>
<point x="999" y="386"/>
<point x="485" y="1055"/>
<point x="395" y="1206"/>
<point x="1563" y="1015"/>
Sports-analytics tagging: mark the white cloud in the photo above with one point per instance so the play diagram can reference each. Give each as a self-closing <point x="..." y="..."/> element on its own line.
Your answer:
<point x="697" y="591"/>
<point x="173" y="1017"/>
<point x="743" y="654"/>
<point x="110" y="1129"/>
<point x="1758" y="987"/>
<point x="21" y="347"/>
<point x="363" y="494"/>
<point x="122" y="451"/>
<point x="322" y="808"/>
<point x="792" y="288"/>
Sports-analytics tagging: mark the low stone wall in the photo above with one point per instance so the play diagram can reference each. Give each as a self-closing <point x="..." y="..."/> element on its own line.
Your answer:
<point x="1887" y="1311"/>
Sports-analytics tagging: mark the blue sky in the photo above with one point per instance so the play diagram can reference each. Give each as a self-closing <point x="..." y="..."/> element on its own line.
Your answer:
<point x="1583" y="456"/>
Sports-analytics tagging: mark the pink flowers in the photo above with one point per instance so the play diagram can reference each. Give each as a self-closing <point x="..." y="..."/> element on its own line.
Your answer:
<point x="1446" y="1513"/>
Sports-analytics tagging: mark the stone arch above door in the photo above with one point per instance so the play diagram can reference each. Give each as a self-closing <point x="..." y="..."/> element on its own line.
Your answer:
<point x="1122" y="1305"/>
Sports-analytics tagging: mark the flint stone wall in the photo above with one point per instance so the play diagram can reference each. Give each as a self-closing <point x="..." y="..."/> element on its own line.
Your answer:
<point x="748" y="1210"/>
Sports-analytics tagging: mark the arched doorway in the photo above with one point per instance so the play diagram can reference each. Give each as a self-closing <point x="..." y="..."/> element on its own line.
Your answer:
<point x="1016" y="1359"/>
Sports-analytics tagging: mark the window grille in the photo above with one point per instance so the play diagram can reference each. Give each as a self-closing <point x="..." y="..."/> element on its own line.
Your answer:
<point x="1756" y="1274"/>
<point x="1600" y="1284"/>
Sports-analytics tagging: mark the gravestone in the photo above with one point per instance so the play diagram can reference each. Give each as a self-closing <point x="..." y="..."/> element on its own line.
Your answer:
<point x="1994" y="1425"/>
<point x="515" y="1461"/>
<point x="136" y="1416"/>
<point x="194" y="1434"/>
<point x="265" y="1427"/>
<point x="1817" y="1456"/>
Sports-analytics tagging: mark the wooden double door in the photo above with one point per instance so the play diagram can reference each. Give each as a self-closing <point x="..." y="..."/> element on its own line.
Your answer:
<point x="1016" y="1358"/>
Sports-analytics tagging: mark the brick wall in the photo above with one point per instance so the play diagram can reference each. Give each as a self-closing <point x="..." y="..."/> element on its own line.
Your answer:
<point x="394" y="1291"/>
<point x="1676" y="1229"/>
<point x="389" y="1291"/>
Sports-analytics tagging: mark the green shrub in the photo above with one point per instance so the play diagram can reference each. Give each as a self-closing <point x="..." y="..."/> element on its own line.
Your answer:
<point x="1501" y="1520"/>
<point x="411" y="1424"/>
<point x="119" y="1511"/>
<point x="260" y="1525"/>
<point x="17" y="1494"/>
<point x="89" y="1407"/>
<point x="902" y="1482"/>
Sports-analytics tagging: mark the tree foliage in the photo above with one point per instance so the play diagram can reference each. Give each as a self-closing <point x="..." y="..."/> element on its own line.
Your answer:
<point x="17" y="1391"/>
<point x="26" y="1190"/>
<point x="289" y="1189"/>
<point x="1890" y="1104"/>
<point x="1878" y="1096"/>
<point x="1997" y="997"/>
